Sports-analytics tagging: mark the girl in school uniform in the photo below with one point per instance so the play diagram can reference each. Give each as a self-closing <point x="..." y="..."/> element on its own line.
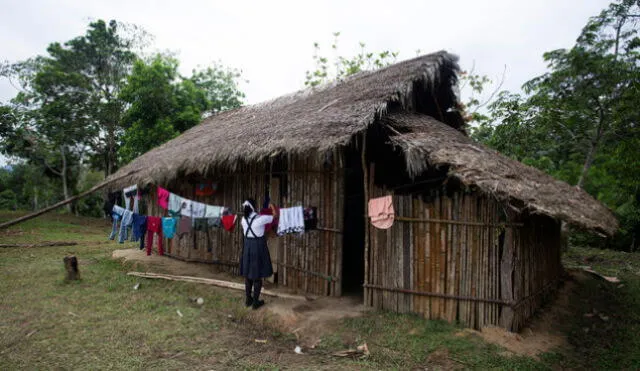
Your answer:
<point x="255" y="262"/>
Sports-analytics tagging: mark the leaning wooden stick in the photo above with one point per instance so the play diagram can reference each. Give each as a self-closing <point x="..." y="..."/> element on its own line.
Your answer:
<point x="211" y="281"/>
<point x="67" y="201"/>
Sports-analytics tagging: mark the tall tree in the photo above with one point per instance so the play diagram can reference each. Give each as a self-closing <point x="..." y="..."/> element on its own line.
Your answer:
<point x="339" y="67"/>
<point x="579" y="121"/>
<point x="588" y="85"/>
<point x="68" y="108"/>
<point x="151" y="95"/>
<point x="163" y="104"/>
<point x="103" y="59"/>
<point x="220" y="86"/>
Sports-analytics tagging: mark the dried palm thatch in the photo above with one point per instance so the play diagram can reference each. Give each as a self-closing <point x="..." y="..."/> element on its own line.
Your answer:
<point x="427" y="142"/>
<point x="312" y="120"/>
<point x="317" y="120"/>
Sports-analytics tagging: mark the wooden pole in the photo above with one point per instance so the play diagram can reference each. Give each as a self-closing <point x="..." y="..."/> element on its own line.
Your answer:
<point x="367" y="292"/>
<point x="442" y="295"/>
<point x="65" y="202"/>
<point x="44" y="244"/>
<point x="214" y="282"/>
<point x="457" y="222"/>
<point x="71" y="266"/>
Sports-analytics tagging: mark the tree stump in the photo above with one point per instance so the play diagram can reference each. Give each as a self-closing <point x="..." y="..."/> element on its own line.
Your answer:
<point x="71" y="265"/>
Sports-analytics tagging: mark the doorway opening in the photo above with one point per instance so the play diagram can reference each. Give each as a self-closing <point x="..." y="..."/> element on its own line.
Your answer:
<point x="353" y="235"/>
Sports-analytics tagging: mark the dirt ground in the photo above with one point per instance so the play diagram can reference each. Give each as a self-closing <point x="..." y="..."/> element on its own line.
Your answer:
<point x="542" y="334"/>
<point x="308" y="320"/>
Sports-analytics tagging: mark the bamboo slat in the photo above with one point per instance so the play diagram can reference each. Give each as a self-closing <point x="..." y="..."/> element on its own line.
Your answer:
<point x="448" y="244"/>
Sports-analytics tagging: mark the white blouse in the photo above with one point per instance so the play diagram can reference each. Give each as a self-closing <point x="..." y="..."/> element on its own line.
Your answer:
<point x="257" y="226"/>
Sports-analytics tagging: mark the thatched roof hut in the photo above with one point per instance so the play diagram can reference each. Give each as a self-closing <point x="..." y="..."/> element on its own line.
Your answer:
<point x="311" y="146"/>
<point x="317" y="120"/>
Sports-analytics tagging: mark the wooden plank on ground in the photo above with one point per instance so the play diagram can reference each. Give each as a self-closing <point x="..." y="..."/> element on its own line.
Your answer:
<point x="214" y="282"/>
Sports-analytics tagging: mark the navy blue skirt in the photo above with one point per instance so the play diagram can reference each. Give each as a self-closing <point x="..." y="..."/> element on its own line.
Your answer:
<point x="255" y="262"/>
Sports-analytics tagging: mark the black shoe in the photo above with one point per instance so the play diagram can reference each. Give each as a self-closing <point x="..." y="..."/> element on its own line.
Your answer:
<point x="249" y="302"/>
<point x="257" y="304"/>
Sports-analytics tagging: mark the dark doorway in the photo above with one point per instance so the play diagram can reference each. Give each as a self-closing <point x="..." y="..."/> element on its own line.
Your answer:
<point x="353" y="235"/>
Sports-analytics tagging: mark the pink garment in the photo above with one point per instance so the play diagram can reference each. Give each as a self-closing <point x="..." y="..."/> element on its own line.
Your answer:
<point x="163" y="198"/>
<point x="381" y="212"/>
<point x="274" y="224"/>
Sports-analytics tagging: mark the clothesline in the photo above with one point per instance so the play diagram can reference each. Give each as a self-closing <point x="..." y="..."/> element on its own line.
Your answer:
<point x="186" y="215"/>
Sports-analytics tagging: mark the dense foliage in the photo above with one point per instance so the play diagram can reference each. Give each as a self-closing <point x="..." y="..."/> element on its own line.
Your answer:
<point x="92" y="104"/>
<point x="579" y="121"/>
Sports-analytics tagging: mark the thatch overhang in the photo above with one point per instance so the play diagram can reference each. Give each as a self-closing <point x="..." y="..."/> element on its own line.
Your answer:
<point x="427" y="142"/>
<point x="309" y="121"/>
<point x="317" y="120"/>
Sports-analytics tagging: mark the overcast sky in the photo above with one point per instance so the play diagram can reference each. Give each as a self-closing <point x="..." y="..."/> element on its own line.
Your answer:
<point x="272" y="41"/>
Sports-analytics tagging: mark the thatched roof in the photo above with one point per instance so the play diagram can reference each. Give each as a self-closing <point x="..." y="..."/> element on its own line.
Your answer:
<point x="427" y="142"/>
<point x="310" y="120"/>
<point x="320" y="119"/>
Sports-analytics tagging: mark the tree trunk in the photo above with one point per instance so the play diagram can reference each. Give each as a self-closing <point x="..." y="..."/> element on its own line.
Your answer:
<point x="71" y="266"/>
<point x="588" y="161"/>
<point x="63" y="175"/>
<point x="111" y="156"/>
<point x="587" y="164"/>
<point x="35" y="198"/>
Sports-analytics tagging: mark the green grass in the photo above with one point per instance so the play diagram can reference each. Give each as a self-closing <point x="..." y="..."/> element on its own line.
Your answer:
<point x="605" y="328"/>
<point x="404" y="341"/>
<point x="101" y="322"/>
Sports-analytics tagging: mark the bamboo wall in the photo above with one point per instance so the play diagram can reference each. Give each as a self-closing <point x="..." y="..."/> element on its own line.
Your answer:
<point x="453" y="257"/>
<point x="311" y="262"/>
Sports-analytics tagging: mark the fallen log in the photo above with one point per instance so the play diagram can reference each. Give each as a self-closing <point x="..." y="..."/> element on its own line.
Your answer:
<point x="214" y="282"/>
<point x="42" y="244"/>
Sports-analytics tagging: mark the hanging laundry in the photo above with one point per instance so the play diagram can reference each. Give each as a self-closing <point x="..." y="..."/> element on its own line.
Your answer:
<point x="381" y="212"/>
<point x="184" y="226"/>
<point x="139" y="228"/>
<point x="169" y="226"/>
<point x="131" y="193"/>
<point x="229" y="222"/>
<point x="273" y="226"/>
<point x="291" y="220"/>
<point x="127" y="221"/>
<point x="154" y="226"/>
<point x="175" y="203"/>
<point x="197" y="209"/>
<point x="113" y="198"/>
<point x="118" y="210"/>
<point x="206" y="188"/>
<point x="133" y="237"/>
<point x="201" y="224"/>
<point x="115" y="218"/>
<point x="214" y="222"/>
<point x="185" y="210"/>
<point x="310" y="218"/>
<point x="163" y="198"/>
<point x="213" y="211"/>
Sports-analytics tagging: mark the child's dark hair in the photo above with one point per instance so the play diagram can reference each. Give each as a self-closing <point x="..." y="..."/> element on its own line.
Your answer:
<point x="248" y="210"/>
